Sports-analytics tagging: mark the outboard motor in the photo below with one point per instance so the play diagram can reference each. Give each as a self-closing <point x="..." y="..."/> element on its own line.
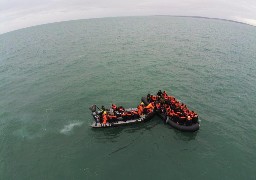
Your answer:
<point x="93" y="108"/>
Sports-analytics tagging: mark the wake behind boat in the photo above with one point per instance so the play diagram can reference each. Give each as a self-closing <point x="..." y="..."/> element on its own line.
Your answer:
<point x="119" y="116"/>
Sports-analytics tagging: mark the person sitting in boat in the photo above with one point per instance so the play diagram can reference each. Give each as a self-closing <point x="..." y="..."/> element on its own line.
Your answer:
<point x="175" y="116"/>
<point x="114" y="107"/>
<point x="152" y="98"/>
<point x="121" y="109"/>
<point x="150" y="107"/>
<point x="167" y="108"/>
<point x="135" y="114"/>
<point x="188" y="121"/>
<point x="158" y="106"/>
<point x="124" y="115"/>
<point x="170" y="98"/>
<point x="173" y="101"/>
<point x="129" y="115"/>
<point x="171" y="113"/>
<point x="182" y="119"/>
<point x="112" y="118"/>
<point x="194" y="117"/>
<point x="165" y="96"/>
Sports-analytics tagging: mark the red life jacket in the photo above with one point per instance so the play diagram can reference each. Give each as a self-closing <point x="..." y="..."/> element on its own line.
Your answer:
<point x="158" y="105"/>
<point x="114" y="106"/>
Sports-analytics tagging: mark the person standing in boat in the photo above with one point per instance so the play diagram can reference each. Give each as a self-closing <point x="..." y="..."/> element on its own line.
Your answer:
<point x="140" y="108"/>
<point x="104" y="118"/>
<point x="159" y="93"/>
<point x="148" y="97"/>
<point x="102" y="110"/>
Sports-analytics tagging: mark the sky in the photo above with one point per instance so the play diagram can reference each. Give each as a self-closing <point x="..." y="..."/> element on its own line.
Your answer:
<point x="17" y="14"/>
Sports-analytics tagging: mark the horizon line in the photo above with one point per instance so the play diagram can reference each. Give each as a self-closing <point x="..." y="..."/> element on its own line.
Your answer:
<point x="181" y="16"/>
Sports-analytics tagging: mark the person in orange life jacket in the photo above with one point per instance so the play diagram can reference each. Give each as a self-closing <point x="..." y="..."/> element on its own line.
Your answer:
<point x="124" y="115"/>
<point x="171" y="113"/>
<point x="175" y="116"/>
<point x="112" y="118"/>
<point x="182" y="120"/>
<point x="129" y="115"/>
<point x="183" y="106"/>
<point x="150" y="106"/>
<point x="135" y="114"/>
<point x="177" y="106"/>
<point x="140" y="108"/>
<point x="104" y="117"/>
<point x="158" y="106"/>
<point x="173" y="101"/>
<point x="165" y="95"/>
<point x="189" y="121"/>
<point x="194" y="117"/>
<point x="120" y="109"/>
<point x="170" y="98"/>
<point x="114" y="107"/>
<point x="192" y="114"/>
<point x="153" y="98"/>
<point x="167" y="108"/>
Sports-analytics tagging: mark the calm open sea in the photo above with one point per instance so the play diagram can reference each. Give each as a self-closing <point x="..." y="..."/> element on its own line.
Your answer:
<point x="51" y="74"/>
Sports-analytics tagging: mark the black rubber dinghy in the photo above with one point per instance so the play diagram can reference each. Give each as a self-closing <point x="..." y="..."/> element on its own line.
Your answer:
<point x="186" y="128"/>
<point x="120" y="121"/>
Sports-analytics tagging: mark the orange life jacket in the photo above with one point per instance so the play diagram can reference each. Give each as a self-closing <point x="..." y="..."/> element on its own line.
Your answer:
<point x="150" y="106"/>
<point x="105" y="118"/>
<point x="140" y="109"/>
<point x="154" y="98"/>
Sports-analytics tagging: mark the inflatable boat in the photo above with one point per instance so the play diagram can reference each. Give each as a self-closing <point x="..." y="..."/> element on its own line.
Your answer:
<point x="131" y="117"/>
<point x="193" y="126"/>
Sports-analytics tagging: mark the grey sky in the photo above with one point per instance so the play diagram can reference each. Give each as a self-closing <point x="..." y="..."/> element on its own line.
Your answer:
<point x="16" y="14"/>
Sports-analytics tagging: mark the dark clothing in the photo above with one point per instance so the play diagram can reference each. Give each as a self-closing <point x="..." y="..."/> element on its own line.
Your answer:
<point x="159" y="93"/>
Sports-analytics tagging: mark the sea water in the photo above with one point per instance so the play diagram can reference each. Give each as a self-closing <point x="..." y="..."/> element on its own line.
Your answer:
<point x="51" y="74"/>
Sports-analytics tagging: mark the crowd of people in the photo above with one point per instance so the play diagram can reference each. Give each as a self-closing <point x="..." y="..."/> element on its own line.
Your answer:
<point x="172" y="108"/>
<point x="161" y="102"/>
<point x="119" y="113"/>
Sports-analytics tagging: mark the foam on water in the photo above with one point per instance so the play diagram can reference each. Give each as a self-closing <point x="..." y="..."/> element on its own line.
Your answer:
<point x="69" y="127"/>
